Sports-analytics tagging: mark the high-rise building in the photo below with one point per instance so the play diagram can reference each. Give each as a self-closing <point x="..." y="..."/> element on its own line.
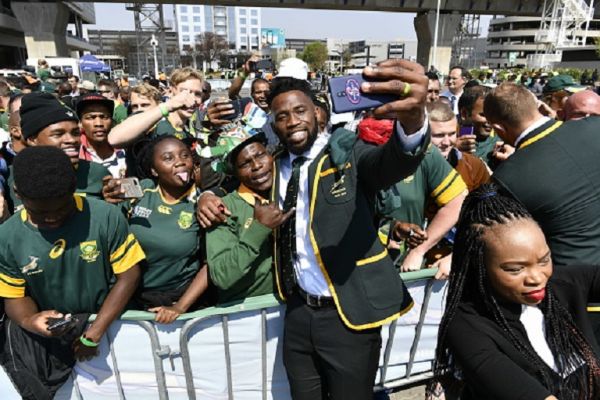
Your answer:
<point x="240" y="26"/>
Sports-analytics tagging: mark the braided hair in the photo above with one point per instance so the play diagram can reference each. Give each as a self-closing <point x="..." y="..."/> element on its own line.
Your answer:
<point x="468" y="282"/>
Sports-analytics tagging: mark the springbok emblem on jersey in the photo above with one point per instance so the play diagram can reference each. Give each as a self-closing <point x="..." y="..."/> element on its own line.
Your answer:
<point x="33" y="265"/>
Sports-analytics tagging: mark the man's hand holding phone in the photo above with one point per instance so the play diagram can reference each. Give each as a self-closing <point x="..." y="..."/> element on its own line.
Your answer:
<point x="466" y="141"/>
<point x="222" y="111"/>
<point x="405" y="80"/>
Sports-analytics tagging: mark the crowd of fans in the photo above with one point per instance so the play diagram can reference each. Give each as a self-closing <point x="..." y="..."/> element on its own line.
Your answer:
<point x="77" y="238"/>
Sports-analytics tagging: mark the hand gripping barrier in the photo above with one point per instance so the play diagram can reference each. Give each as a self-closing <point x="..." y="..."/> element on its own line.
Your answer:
<point x="234" y="352"/>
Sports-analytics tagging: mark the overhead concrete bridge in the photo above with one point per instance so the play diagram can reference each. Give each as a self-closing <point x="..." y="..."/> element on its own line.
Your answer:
<point x="451" y="11"/>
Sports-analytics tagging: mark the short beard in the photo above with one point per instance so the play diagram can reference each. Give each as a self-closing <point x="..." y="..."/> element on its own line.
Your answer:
<point x="312" y="136"/>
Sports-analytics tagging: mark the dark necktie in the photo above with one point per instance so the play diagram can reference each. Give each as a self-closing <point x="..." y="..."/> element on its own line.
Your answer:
<point x="452" y="102"/>
<point x="287" y="243"/>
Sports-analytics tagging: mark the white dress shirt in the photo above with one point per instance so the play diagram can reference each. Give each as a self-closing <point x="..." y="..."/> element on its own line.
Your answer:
<point x="308" y="274"/>
<point x="531" y="128"/>
<point x="533" y="322"/>
<point x="453" y="99"/>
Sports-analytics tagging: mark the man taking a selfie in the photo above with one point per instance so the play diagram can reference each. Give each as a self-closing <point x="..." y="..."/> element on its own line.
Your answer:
<point x="339" y="283"/>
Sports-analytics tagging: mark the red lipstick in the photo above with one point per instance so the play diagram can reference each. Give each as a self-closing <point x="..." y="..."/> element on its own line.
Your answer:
<point x="536" y="295"/>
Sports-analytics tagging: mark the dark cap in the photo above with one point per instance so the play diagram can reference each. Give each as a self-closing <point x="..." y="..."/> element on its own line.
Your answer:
<point x="94" y="98"/>
<point x="561" y="82"/>
<point x="38" y="110"/>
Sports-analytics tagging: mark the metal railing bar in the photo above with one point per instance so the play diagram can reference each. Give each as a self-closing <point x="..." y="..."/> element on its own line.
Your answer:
<point x="419" y="328"/>
<point x="158" y="363"/>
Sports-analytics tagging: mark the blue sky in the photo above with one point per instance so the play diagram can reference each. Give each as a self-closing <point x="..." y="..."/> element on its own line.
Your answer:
<point x="297" y="23"/>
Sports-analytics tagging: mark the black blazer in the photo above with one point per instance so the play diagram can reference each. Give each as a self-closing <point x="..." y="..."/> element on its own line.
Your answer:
<point x="343" y="181"/>
<point x="492" y="367"/>
<point x="555" y="173"/>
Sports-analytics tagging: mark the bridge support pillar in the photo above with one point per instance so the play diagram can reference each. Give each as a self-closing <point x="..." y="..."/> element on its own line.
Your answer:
<point x="45" y="28"/>
<point x="425" y="29"/>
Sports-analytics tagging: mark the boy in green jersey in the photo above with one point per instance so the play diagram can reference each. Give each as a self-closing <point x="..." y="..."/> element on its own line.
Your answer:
<point x="45" y="121"/>
<point x="62" y="254"/>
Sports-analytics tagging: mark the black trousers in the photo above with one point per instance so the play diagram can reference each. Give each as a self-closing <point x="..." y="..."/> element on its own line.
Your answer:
<point x="326" y="360"/>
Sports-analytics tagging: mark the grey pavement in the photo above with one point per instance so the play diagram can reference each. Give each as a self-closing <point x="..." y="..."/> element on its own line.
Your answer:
<point x="412" y="393"/>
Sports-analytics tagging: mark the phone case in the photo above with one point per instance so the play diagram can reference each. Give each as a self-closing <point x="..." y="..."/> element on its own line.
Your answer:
<point x="346" y="95"/>
<point x="132" y="188"/>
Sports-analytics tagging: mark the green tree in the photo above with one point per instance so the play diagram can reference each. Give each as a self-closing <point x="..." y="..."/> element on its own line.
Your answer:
<point x="315" y="54"/>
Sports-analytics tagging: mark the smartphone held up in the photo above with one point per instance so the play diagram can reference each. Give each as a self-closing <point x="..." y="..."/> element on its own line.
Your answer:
<point x="346" y="95"/>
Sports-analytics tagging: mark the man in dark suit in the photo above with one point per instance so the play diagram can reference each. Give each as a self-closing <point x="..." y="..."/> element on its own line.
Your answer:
<point x="554" y="172"/>
<point x="337" y="278"/>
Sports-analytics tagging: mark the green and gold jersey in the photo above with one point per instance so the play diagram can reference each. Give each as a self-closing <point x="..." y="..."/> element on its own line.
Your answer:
<point x="89" y="182"/>
<point x="164" y="127"/>
<point x="170" y="236"/>
<point x="70" y="268"/>
<point x="434" y="179"/>
<point x="484" y="149"/>
<point x="239" y="252"/>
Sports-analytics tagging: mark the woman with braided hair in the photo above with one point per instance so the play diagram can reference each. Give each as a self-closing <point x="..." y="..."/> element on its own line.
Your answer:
<point x="515" y="327"/>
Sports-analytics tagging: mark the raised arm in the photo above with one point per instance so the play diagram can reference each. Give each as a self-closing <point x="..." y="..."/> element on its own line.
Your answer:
<point x="379" y="167"/>
<point x="136" y="126"/>
<point x="240" y="78"/>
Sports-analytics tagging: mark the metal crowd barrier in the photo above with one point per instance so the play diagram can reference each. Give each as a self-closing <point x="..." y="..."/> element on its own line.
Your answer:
<point x="264" y="305"/>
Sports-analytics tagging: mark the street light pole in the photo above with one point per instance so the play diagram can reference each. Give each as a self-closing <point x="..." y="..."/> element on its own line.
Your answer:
<point x="154" y="43"/>
<point x="435" y="34"/>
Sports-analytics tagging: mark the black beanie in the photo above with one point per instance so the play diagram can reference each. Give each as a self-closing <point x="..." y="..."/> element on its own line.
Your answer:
<point x="38" y="110"/>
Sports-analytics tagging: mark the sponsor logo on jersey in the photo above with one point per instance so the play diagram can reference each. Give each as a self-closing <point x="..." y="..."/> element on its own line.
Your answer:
<point x="185" y="220"/>
<point x="89" y="251"/>
<point x="141" y="212"/>
<point x="58" y="249"/>
<point x="164" y="210"/>
<point x="32" y="267"/>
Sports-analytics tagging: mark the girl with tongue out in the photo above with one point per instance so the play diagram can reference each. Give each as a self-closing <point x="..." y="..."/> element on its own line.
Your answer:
<point x="164" y="221"/>
<point x="514" y="326"/>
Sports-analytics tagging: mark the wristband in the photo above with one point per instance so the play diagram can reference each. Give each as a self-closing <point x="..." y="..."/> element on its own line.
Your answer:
<point x="87" y="342"/>
<point x="242" y="74"/>
<point x="163" y="110"/>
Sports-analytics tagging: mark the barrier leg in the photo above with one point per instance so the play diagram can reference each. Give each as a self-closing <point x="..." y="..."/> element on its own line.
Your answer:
<point x="263" y="351"/>
<point x="116" y="371"/>
<point x="388" y="352"/>
<point x="158" y="365"/>
<point x="185" y="356"/>
<point x="415" y="345"/>
<point x="225" y="322"/>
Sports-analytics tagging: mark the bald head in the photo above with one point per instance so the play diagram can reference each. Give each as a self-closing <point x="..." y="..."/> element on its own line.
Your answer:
<point x="581" y="105"/>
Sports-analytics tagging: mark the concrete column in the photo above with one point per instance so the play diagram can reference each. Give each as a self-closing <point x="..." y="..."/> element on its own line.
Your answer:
<point x="45" y="27"/>
<point x="425" y="28"/>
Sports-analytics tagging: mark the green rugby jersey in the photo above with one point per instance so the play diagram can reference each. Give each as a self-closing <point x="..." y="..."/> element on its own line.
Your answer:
<point x="69" y="268"/>
<point x="239" y="252"/>
<point x="89" y="182"/>
<point x="485" y="149"/>
<point x="405" y="201"/>
<point x="170" y="236"/>
<point x="164" y="127"/>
